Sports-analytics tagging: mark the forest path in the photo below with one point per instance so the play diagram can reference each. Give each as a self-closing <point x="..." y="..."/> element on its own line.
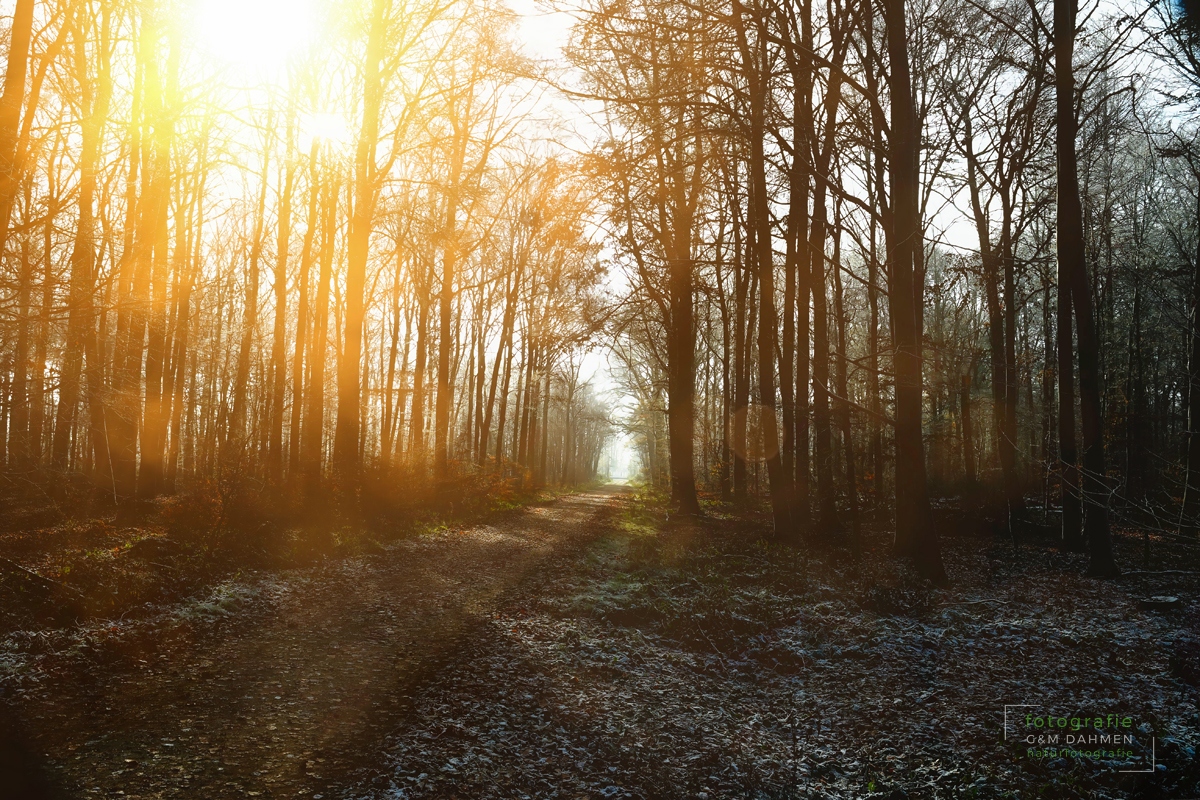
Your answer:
<point x="289" y="702"/>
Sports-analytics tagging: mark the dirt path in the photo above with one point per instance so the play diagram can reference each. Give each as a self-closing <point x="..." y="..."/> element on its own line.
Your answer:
<point x="281" y="686"/>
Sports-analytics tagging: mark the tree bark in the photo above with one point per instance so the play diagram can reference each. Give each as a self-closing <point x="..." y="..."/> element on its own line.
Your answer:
<point x="1189" y="520"/>
<point x="349" y="412"/>
<point x="759" y="217"/>
<point x="1073" y="269"/>
<point x="279" y="338"/>
<point x="11" y="102"/>
<point x="915" y="536"/>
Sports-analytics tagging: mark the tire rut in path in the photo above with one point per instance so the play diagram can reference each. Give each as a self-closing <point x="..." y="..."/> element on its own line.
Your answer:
<point x="288" y="704"/>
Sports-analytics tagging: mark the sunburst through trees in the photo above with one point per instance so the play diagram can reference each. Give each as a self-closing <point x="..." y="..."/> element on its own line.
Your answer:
<point x="287" y="243"/>
<point x="301" y="246"/>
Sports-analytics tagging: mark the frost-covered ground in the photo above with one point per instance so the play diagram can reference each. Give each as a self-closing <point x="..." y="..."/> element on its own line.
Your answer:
<point x="592" y="648"/>
<point x="691" y="660"/>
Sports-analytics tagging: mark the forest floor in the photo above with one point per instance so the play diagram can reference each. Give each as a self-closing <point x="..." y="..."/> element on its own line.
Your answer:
<point x="595" y="647"/>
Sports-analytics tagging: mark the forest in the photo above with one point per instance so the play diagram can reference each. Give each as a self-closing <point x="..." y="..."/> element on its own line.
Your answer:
<point x="606" y="398"/>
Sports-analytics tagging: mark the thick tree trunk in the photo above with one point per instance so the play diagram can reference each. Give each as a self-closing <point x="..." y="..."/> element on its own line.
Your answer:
<point x="1073" y="269"/>
<point x="915" y="536"/>
<point x="349" y="411"/>
<point x="11" y="102"/>
<point x="133" y="289"/>
<point x="1189" y="520"/>
<point x="153" y="229"/>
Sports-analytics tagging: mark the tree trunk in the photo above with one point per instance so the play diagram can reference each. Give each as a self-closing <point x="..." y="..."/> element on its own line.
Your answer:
<point x="153" y="252"/>
<point x="968" y="429"/>
<point x="303" y="334"/>
<point x="235" y="446"/>
<point x="95" y="95"/>
<point x="1189" y="520"/>
<point x="11" y="102"/>
<point x="349" y="412"/>
<point x="1073" y="269"/>
<point x="915" y="535"/>
<point x="845" y="417"/>
<point x="314" y="394"/>
<point x="279" y="338"/>
<point x="759" y="218"/>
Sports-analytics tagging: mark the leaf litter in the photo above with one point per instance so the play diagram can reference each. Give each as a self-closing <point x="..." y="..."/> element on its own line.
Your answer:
<point x="595" y="648"/>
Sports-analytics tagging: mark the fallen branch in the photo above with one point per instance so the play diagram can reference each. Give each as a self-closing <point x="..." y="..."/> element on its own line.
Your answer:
<point x="973" y="602"/>
<point x="47" y="584"/>
<point x="1161" y="572"/>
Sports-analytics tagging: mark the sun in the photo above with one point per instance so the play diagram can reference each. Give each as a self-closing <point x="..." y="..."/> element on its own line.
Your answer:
<point x="256" y="37"/>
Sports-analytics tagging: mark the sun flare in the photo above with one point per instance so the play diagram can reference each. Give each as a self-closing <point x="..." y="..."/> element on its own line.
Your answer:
<point x="254" y="36"/>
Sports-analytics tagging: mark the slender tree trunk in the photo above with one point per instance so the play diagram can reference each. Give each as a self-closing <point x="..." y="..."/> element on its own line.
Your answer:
<point x="998" y="319"/>
<point x="389" y="380"/>
<point x="795" y="330"/>
<point x="759" y="218"/>
<point x="877" y="197"/>
<point x="827" y="522"/>
<point x="190" y="260"/>
<point x="845" y="418"/>
<point x="417" y="437"/>
<point x="81" y="320"/>
<point x="741" y="347"/>
<point x="303" y="334"/>
<point x="803" y="140"/>
<point x="1048" y="374"/>
<point x="314" y="394"/>
<point x="1072" y="502"/>
<point x="18" y="426"/>
<point x="1013" y="494"/>
<point x="279" y="338"/>
<point x="968" y="429"/>
<point x="237" y="437"/>
<point x="37" y="381"/>
<point x="510" y="310"/>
